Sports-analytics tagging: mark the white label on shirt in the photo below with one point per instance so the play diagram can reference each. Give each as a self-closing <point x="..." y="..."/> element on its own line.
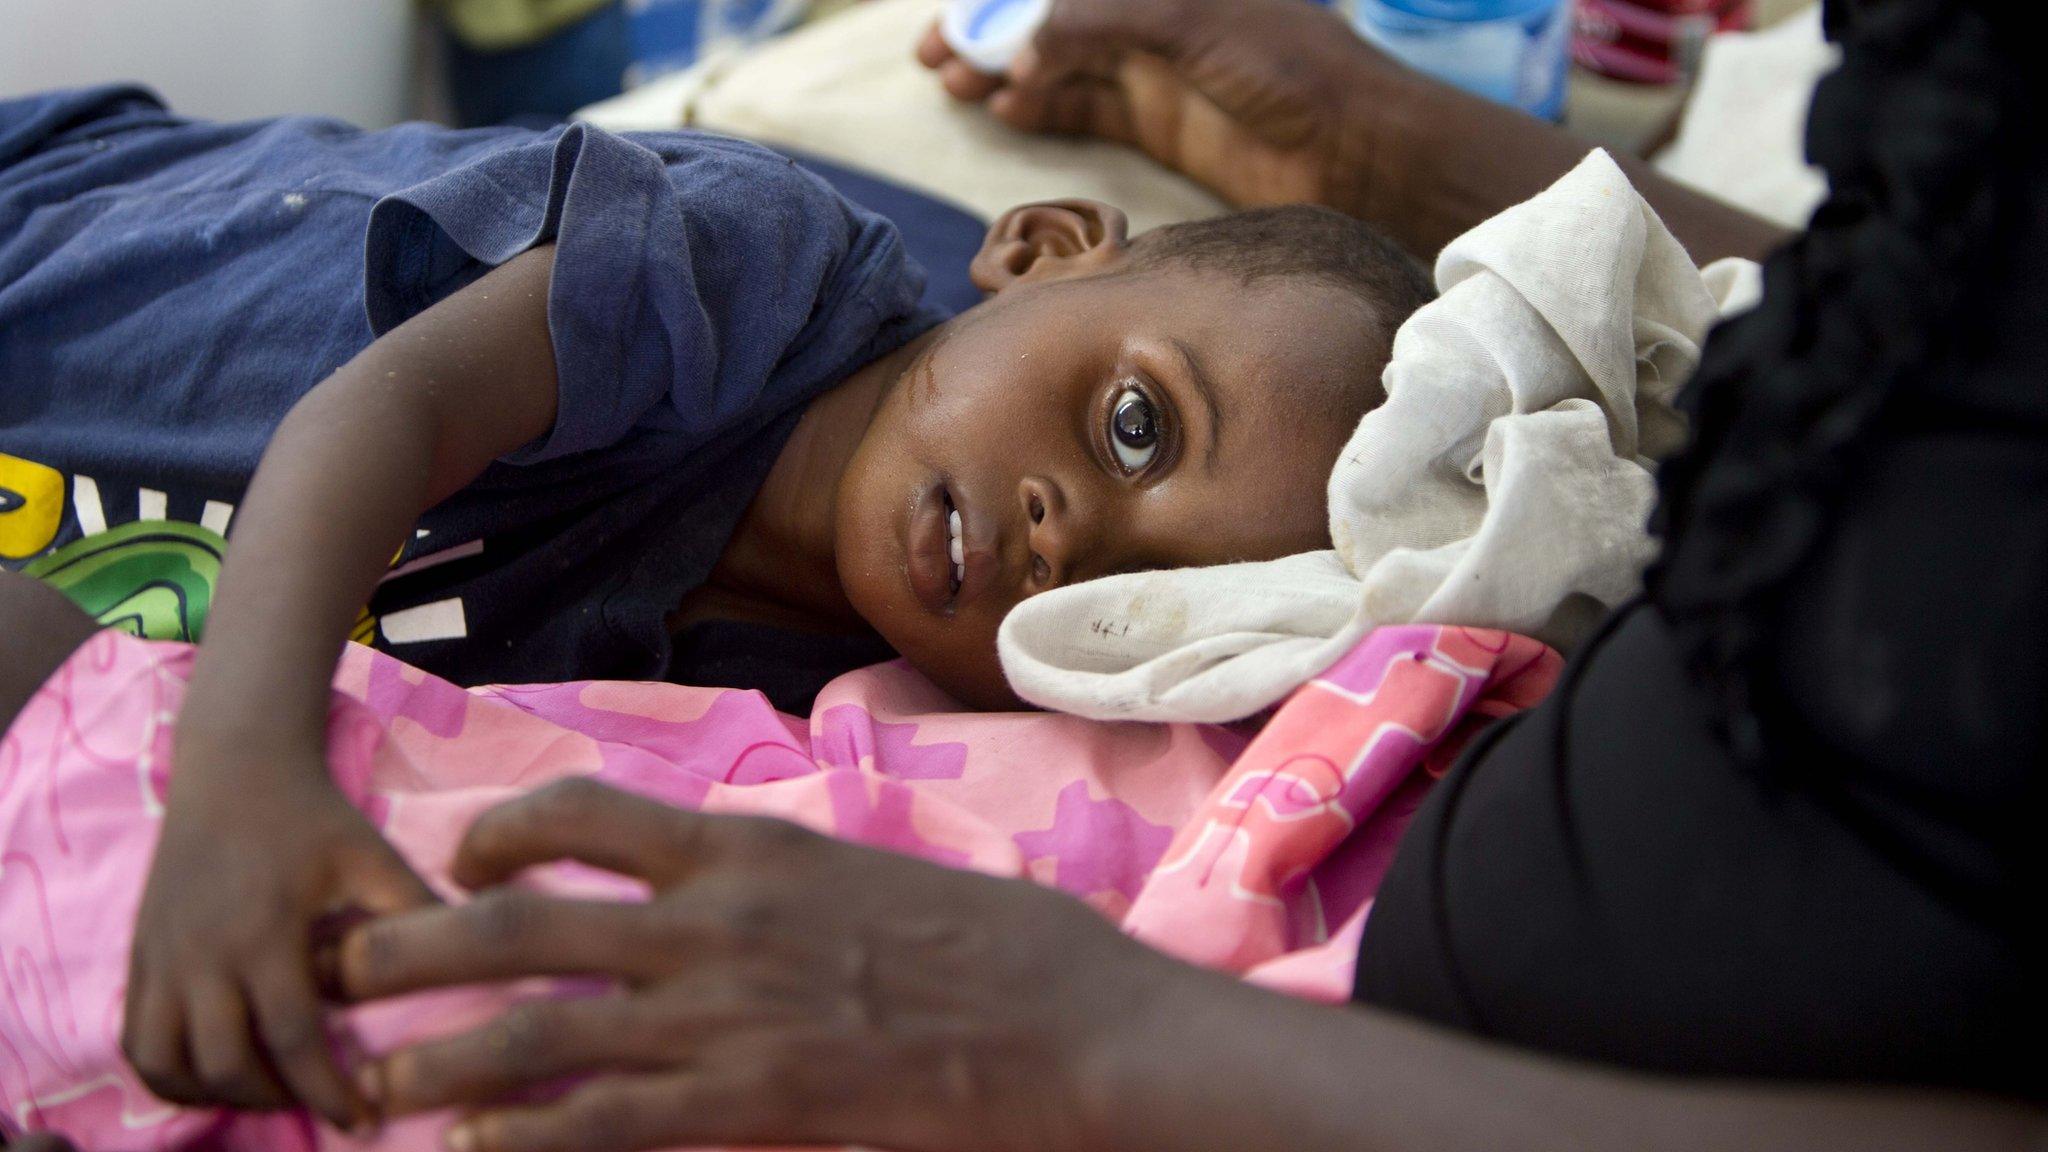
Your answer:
<point x="440" y="620"/>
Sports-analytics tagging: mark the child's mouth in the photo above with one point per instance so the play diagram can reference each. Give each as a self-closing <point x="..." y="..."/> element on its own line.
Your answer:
<point x="938" y="550"/>
<point x="955" y="549"/>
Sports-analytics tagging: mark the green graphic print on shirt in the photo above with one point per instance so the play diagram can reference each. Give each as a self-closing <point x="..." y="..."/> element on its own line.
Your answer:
<point x="153" y="578"/>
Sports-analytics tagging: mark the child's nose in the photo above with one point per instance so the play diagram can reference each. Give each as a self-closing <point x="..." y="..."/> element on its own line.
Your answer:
<point x="1050" y="533"/>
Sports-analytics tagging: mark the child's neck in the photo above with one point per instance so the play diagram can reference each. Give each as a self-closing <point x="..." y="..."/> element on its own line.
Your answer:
<point x="779" y="566"/>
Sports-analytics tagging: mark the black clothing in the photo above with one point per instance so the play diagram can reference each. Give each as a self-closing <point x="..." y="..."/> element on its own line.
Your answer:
<point x="1782" y="818"/>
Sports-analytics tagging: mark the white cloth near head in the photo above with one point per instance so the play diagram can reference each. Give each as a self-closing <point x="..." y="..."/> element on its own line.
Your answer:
<point x="1505" y="483"/>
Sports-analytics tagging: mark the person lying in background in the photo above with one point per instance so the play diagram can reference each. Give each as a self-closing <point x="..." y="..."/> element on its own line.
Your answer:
<point x="595" y="391"/>
<point x="1759" y="874"/>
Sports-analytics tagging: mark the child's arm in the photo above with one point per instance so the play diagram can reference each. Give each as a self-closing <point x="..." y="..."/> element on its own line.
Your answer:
<point x="258" y="845"/>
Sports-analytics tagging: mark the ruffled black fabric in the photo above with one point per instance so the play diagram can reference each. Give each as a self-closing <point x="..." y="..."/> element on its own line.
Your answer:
<point x="1928" y="133"/>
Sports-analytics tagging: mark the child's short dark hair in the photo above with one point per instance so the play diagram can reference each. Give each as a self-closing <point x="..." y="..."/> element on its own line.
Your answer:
<point x="1300" y="240"/>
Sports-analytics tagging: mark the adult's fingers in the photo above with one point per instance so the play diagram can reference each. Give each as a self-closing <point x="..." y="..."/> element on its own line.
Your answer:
<point x="629" y="1113"/>
<point x="1069" y="46"/>
<point x="289" y="1018"/>
<point x="504" y="934"/>
<point x="1081" y="35"/>
<point x="544" y="1041"/>
<point x="529" y="1045"/>
<point x="963" y="81"/>
<point x="581" y="820"/>
<point x="932" y="49"/>
<point x="1078" y="105"/>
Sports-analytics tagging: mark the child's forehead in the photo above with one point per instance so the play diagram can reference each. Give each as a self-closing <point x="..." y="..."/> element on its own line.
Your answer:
<point x="1272" y="333"/>
<point x="1267" y="344"/>
<point x="1274" y="313"/>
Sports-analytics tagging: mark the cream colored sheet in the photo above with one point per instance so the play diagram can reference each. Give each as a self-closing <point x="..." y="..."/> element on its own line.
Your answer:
<point x="847" y="89"/>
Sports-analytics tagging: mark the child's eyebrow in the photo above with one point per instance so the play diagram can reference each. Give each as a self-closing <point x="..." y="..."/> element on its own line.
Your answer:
<point x="1206" y="387"/>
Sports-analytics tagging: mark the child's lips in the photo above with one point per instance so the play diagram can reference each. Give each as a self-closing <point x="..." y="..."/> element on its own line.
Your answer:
<point x="932" y="568"/>
<point x="930" y="564"/>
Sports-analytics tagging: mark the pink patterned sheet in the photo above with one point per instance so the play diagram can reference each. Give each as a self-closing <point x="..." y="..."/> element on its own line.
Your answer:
<point x="1260" y="860"/>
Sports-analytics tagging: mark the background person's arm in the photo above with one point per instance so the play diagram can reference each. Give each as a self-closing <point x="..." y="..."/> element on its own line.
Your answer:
<point x="783" y="988"/>
<point x="1276" y="101"/>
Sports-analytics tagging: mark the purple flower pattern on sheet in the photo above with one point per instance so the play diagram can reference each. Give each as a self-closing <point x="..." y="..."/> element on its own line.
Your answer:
<point x="1097" y="845"/>
<point x="849" y="736"/>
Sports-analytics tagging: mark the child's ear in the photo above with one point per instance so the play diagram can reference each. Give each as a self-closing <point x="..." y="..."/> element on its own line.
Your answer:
<point x="1048" y="241"/>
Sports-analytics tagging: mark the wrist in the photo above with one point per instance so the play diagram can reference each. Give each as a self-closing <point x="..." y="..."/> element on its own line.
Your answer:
<point x="1394" y="124"/>
<point x="240" y="751"/>
<point x="1136" y="1073"/>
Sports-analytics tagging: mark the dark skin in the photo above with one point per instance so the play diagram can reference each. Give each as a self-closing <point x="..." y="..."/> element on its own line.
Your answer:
<point x="783" y="988"/>
<point x="1003" y="415"/>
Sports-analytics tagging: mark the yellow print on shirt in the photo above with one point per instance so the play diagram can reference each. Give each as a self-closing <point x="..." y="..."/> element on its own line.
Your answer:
<point x="31" y="506"/>
<point x="154" y="577"/>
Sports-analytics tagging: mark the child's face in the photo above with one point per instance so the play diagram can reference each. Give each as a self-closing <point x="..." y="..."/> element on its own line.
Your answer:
<point x="1084" y="425"/>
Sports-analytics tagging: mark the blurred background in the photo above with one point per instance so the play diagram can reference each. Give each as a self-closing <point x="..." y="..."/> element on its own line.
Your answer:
<point x="376" y="62"/>
<point x="1620" y="72"/>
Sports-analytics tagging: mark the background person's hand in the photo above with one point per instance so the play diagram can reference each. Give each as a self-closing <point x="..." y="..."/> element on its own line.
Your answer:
<point x="1264" y="101"/>
<point x="258" y="847"/>
<point x="779" y="987"/>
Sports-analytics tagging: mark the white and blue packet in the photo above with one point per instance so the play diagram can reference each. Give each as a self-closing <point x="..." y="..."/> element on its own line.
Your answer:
<point x="989" y="33"/>
<point x="1512" y="52"/>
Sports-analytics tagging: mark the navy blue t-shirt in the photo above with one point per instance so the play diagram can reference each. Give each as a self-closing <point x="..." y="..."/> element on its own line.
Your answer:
<point x="170" y="288"/>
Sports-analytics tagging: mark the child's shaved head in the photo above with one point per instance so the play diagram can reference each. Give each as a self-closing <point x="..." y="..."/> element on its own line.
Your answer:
<point x="1307" y="241"/>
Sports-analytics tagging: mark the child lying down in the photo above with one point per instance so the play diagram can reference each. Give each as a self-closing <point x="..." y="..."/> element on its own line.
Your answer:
<point x="546" y="401"/>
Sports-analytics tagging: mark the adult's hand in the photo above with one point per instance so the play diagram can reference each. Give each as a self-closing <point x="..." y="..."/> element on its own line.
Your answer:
<point x="783" y="988"/>
<point x="1279" y="101"/>
<point x="1245" y="96"/>
<point x="778" y="987"/>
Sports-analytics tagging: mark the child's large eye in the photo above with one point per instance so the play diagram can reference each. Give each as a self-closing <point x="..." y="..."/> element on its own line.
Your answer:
<point x="1133" y="430"/>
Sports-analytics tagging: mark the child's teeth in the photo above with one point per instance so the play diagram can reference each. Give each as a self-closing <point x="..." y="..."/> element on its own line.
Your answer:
<point x="954" y="547"/>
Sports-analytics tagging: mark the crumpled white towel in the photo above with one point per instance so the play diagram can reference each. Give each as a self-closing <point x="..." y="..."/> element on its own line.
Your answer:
<point x="1505" y="483"/>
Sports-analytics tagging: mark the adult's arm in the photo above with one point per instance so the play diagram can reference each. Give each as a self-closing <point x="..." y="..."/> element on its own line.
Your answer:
<point x="1276" y="101"/>
<point x="784" y="988"/>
